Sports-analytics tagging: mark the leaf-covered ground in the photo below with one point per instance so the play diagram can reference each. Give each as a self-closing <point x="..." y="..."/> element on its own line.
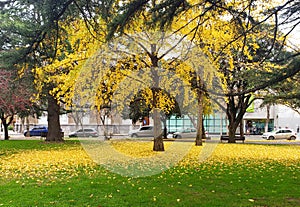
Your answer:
<point x="66" y="159"/>
<point x="39" y="174"/>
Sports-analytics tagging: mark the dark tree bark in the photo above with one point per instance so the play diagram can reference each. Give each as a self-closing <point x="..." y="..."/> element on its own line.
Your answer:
<point x="165" y="132"/>
<point x="6" y="121"/>
<point x="235" y="111"/>
<point x="199" y="135"/>
<point x="54" y="132"/>
<point x="158" y="144"/>
<point x="268" y="118"/>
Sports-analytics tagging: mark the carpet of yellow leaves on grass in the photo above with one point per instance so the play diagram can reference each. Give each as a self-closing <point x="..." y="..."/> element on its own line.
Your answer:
<point x="284" y="154"/>
<point x="248" y="155"/>
<point x="228" y="153"/>
<point x="137" y="149"/>
<point x="44" y="163"/>
<point x="54" y="163"/>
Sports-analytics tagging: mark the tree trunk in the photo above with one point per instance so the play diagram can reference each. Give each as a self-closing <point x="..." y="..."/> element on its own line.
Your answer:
<point x="193" y="120"/>
<point x="268" y="119"/>
<point x="104" y="114"/>
<point x="242" y="128"/>
<point x="165" y="128"/>
<point x="158" y="144"/>
<point x="22" y="126"/>
<point x="27" y="127"/>
<point x="235" y="114"/>
<point x="231" y="133"/>
<point x="200" y="120"/>
<point x="5" y="124"/>
<point x="203" y="130"/>
<point x="232" y="125"/>
<point x="54" y="131"/>
<point x="5" y="128"/>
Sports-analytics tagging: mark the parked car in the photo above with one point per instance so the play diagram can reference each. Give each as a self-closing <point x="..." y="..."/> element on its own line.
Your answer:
<point x="85" y="132"/>
<point x="144" y="131"/>
<point x="37" y="131"/>
<point x="187" y="133"/>
<point x="280" y="134"/>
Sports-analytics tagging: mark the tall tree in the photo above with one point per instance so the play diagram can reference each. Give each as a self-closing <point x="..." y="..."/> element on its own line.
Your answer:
<point x="26" y="25"/>
<point x="35" y="37"/>
<point x="242" y="53"/>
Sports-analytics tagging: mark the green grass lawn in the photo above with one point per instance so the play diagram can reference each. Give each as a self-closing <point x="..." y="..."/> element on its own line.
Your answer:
<point x="71" y="181"/>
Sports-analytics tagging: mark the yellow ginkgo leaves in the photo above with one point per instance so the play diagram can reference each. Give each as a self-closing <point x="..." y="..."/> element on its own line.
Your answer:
<point x="56" y="164"/>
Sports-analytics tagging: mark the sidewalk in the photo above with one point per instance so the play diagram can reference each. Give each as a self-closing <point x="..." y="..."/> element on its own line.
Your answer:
<point x="13" y="135"/>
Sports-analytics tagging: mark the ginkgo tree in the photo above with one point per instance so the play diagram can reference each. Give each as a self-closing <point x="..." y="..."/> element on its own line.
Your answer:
<point x="158" y="64"/>
<point x="236" y="63"/>
<point x="242" y="49"/>
<point x="232" y="35"/>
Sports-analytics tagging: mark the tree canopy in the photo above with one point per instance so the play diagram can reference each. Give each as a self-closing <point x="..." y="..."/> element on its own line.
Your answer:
<point x="220" y="50"/>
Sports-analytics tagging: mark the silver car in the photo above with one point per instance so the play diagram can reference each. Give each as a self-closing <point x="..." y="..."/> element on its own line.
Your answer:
<point x="280" y="134"/>
<point x="187" y="133"/>
<point x="86" y="132"/>
<point x="144" y="131"/>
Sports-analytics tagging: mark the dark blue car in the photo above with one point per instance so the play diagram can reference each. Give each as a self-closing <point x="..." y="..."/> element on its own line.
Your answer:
<point x="40" y="131"/>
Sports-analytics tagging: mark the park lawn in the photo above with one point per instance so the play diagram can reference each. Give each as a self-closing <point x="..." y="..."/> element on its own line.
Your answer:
<point x="38" y="174"/>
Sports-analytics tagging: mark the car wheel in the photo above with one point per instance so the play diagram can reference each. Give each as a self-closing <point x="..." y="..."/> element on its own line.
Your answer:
<point x="271" y="138"/>
<point x="292" y="138"/>
<point x="134" y="135"/>
<point x="178" y="137"/>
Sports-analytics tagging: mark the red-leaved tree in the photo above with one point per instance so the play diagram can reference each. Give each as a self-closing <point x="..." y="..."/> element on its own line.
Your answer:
<point x="14" y="98"/>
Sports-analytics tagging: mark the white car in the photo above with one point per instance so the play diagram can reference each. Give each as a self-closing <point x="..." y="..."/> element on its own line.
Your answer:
<point x="280" y="134"/>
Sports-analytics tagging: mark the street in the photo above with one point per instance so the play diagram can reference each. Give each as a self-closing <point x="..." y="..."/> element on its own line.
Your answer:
<point x="250" y="139"/>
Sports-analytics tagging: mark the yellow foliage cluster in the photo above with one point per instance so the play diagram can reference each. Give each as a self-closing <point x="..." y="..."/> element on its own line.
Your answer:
<point x="218" y="38"/>
<point x="75" y="45"/>
<point x="227" y="41"/>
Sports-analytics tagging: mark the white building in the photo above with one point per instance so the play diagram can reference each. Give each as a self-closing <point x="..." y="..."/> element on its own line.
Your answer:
<point x="279" y="115"/>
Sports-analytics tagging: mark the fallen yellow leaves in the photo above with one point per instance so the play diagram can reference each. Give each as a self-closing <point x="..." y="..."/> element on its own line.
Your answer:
<point x="138" y="157"/>
<point x="135" y="158"/>
<point x="44" y="163"/>
<point x="136" y="149"/>
<point x="285" y="154"/>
